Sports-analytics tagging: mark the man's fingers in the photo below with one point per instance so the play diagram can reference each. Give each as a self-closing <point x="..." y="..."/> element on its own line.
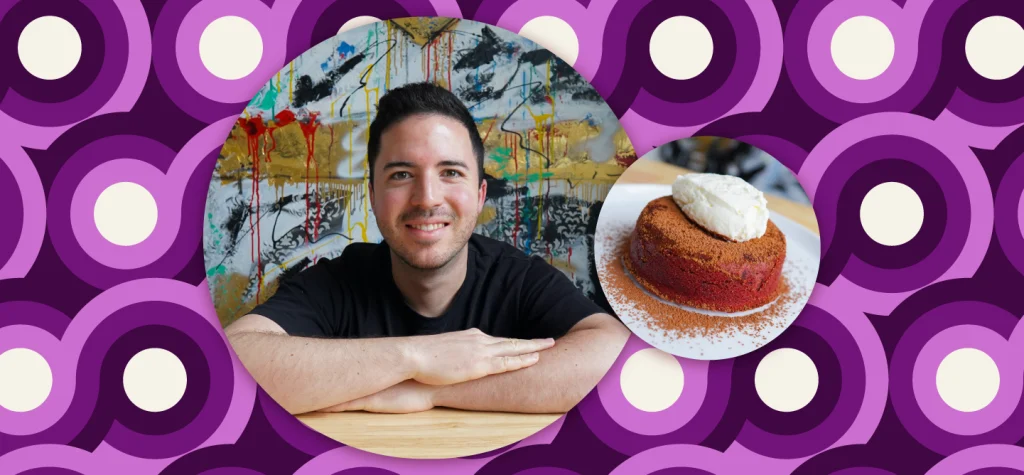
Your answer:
<point x="513" y="347"/>
<point x="504" y="364"/>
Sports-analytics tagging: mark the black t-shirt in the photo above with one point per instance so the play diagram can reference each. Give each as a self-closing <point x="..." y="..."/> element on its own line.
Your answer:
<point x="505" y="294"/>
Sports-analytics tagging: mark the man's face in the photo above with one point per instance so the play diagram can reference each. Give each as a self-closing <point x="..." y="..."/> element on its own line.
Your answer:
<point x="426" y="192"/>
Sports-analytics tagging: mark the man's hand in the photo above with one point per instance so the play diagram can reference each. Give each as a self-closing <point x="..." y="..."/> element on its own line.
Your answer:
<point x="457" y="357"/>
<point x="402" y="398"/>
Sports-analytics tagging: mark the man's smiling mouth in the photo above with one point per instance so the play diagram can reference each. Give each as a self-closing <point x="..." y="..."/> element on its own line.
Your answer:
<point x="427" y="227"/>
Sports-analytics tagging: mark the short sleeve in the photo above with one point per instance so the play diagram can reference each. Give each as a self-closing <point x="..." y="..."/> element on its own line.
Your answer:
<point x="550" y="304"/>
<point x="303" y="303"/>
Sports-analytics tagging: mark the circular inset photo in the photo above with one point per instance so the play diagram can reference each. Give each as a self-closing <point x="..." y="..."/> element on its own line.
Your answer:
<point x="707" y="248"/>
<point x="398" y="237"/>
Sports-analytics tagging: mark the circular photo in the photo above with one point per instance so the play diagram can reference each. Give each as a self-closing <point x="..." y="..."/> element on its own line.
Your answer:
<point x="399" y="237"/>
<point x="707" y="248"/>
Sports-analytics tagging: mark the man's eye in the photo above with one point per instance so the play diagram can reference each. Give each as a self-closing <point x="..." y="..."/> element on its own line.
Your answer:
<point x="400" y="175"/>
<point x="452" y="173"/>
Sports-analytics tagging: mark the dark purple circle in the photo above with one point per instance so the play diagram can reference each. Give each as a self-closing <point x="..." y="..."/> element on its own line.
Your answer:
<point x="12" y="214"/>
<point x="51" y="90"/>
<point x="850" y="234"/>
<point x="955" y="232"/>
<point x="851" y="389"/>
<point x="967" y="80"/>
<point x="316" y="21"/>
<point x="111" y="63"/>
<point x="901" y="370"/>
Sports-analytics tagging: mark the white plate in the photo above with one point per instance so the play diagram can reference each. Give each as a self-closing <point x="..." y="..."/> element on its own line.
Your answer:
<point x="622" y="207"/>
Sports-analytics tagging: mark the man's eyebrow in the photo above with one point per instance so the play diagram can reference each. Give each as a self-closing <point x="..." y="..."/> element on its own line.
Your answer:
<point x="398" y="165"/>
<point x="453" y="163"/>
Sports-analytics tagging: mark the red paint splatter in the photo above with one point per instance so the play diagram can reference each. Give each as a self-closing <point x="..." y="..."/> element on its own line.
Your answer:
<point x="515" y="157"/>
<point x="309" y="132"/>
<point x="625" y="160"/>
<point x="568" y="260"/>
<point x="254" y="128"/>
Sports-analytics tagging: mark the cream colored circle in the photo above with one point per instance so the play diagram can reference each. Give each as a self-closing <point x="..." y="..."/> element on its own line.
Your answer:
<point x="125" y="213"/>
<point x="651" y="380"/>
<point x="892" y="213"/>
<point x="863" y="47"/>
<point x="25" y="380"/>
<point x="786" y="380"/>
<point x="231" y="47"/>
<point x="49" y="47"/>
<point x="155" y="380"/>
<point x="555" y="35"/>
<point x="681" y="47"/>
<point x="356" y="22"/>
<point x="995" y="47"/>
<point x="967" y="379"/>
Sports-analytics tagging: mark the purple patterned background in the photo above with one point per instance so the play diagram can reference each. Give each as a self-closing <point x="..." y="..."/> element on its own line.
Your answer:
<point x="138" y="106"/>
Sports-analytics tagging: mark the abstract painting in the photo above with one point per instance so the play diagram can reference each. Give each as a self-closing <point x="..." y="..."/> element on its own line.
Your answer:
<point x="290" y="186"/>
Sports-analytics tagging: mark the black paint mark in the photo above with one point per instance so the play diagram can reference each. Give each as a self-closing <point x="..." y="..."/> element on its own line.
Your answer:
<point x="484" y="52"/>
<point x="306" y="91"/>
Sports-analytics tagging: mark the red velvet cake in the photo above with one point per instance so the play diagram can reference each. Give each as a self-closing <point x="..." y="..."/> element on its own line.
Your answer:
<point x="679" y="261"/>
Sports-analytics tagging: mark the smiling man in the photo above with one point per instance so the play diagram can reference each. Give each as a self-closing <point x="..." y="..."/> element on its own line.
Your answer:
<point x="435" y="315"/>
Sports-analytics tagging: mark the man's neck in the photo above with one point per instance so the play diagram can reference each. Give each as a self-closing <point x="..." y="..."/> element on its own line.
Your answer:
<point x="430" y="292"/>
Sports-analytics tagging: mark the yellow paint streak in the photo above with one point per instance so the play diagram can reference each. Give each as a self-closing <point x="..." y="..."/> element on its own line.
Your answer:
<point x="287" y="160"/>
<point x="486" y="215"/>
<point x="291" y="79"/>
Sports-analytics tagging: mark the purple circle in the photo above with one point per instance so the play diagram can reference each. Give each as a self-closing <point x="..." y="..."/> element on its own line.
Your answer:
<point x="918" y="129"/>
<point x="62" y="373"/>
<point x="1011" y="375"/>
<point x="12" y="214"/>
<point x="200" y="78"/>
<point x="958" y="213"/>
<point x="110" y="64"/>
<point x="585" y="23"/>
<point x="907" y="352"/>
<point x="316" y="21"/>
<point x="838" y="83"/>
<point x="695" y="383"/>
<point x="980" y="457"/>
<point x="672" y="456"/>
<point x="32" y="200"/>
<point x="1009" y="210"/>
<point x="847" y="406"/>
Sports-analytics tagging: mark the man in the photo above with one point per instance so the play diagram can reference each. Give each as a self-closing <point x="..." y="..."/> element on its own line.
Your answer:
<point x="435" y="315"/>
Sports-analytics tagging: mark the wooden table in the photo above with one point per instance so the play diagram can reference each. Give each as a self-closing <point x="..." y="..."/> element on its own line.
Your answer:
<point x="652" y="171"/>
<point x="437" y="433"/>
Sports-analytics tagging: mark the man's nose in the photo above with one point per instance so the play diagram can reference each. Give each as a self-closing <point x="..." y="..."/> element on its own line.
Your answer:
<point x="427" y="192"/>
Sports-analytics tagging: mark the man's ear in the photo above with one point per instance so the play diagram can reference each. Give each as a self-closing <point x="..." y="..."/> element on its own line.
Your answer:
<point x="483" y="196"/>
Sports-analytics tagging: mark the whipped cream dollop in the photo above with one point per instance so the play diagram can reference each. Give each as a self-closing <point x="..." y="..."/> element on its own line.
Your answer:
<point x="723" y="204"/>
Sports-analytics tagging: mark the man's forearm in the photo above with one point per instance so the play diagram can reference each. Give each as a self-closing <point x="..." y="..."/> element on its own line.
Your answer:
<point x="562" y="377"/>
<point x="307" y="374"/>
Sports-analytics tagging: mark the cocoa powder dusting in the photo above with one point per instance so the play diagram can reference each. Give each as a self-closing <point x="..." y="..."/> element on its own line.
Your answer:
<point x="677" y="323"/>
<point x="673" y="228"/>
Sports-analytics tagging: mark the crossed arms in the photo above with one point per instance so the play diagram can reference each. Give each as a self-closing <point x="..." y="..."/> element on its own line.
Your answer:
<point x="464" y="370"/>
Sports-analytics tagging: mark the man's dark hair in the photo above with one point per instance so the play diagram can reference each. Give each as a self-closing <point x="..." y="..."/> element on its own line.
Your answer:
<point x="421" y="98"/>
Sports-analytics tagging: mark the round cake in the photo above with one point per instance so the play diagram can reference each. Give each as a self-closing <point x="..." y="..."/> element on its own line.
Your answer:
<point x="680" y="261"/>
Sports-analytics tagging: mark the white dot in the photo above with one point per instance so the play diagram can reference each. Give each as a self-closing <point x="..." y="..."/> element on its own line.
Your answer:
<point x="25" y="380"/>
<point x="995" y="47"/>
<point x="154" y="380"/>
<point x="967" y="379"/>
<point x="891" y="213"/>
<point x="555" y="35"/>
<point x="786" y="379"/>
<point x="651" y="380"/>
<point x="231" y="47"/>
<point x="49" y="47"/>
<point x="357" y="22"/>
<point x="681" y="47"/>
<point x="125" y="213"/>
<point x="863" y="47"/>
